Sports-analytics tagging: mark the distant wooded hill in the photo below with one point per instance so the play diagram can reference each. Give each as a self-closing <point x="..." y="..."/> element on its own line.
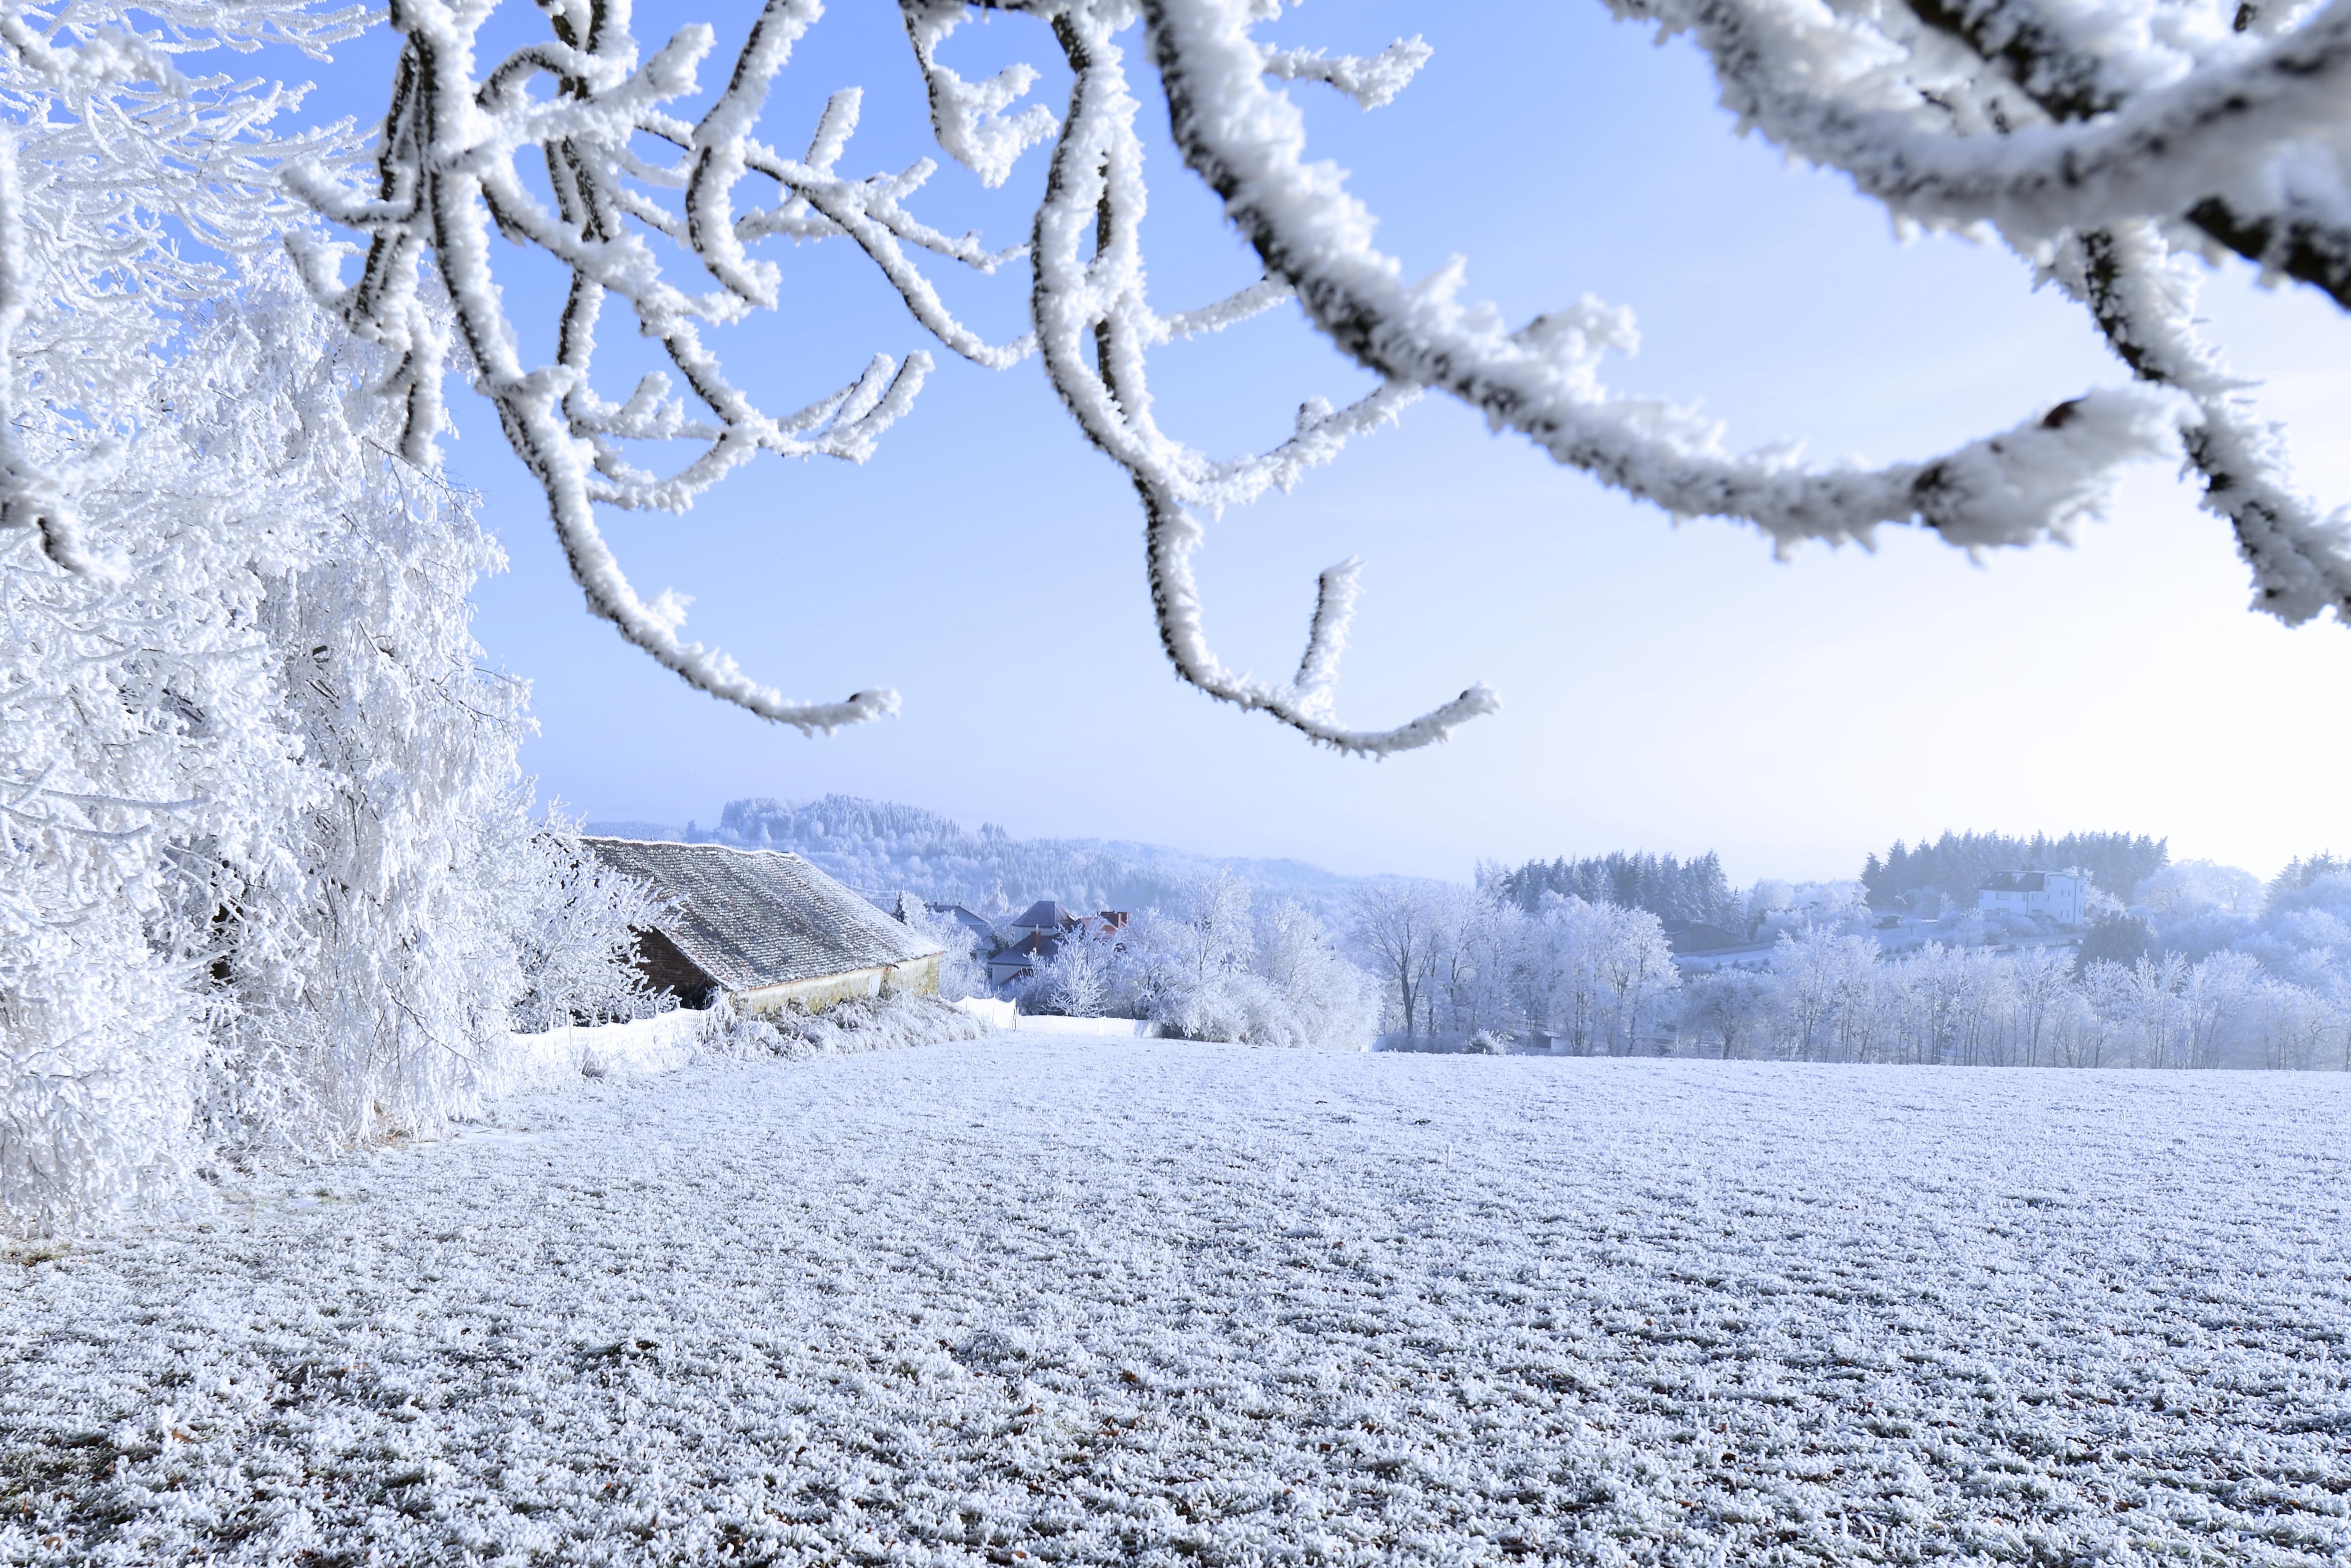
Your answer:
<point x="1955" y="865"/>
<point x="880" y="846"/>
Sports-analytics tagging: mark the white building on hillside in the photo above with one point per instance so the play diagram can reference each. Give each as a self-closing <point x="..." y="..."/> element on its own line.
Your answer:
<point x="2058" y="895"/>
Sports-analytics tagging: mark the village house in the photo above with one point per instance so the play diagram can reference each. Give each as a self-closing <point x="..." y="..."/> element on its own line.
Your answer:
<point x="1037" y="934"/>
<point x="763" y="929"/>
<point x="2058" y="895"/>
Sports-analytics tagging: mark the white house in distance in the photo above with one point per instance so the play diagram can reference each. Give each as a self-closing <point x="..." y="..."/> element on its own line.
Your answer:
<point x="2057" y="895"/>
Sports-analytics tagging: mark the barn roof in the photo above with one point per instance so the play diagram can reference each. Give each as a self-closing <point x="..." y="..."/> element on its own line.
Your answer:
<point x="749" y="918"/>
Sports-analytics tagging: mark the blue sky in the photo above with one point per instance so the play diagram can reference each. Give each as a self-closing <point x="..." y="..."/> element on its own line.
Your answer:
<point x="1667" y="689"/>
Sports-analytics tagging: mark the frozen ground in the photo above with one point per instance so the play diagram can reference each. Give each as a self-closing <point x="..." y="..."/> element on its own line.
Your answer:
<point x="1063" y="1300"/>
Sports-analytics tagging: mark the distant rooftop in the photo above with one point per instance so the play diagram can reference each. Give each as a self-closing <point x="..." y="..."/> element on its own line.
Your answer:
<point x="1044" y="916"/>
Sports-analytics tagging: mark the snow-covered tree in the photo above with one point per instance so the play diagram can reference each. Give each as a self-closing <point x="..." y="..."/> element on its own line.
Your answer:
<point x="1637" y="966"/>
<point x="2184" y="887"/>
<point x="578" y="937"/>
<point x="2043" y="982"/>
<point x="1724" y="1012"/>
<point x="1080" y="980"/>
<point x="963" y="972"/>
<point x="146" y="757"/>
<point x="267" y="874"/>
<point x="1331" y="1002"/>
<point x="1822" y="978"/>
<point x="1481" y="981"/>
<point x="2295" y="1026"/>
<point x="1400" y="930"/>
<point x="1212" y="968"/>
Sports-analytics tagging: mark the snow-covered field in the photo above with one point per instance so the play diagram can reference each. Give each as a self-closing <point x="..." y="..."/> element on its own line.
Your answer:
<point x="1038" y="1300"/>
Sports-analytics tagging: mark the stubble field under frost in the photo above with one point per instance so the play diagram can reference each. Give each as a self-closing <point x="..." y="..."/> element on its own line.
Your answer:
<point x="1064" y="1301"/>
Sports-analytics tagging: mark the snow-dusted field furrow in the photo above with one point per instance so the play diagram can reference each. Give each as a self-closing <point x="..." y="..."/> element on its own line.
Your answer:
<point x="1152" y="1301"/>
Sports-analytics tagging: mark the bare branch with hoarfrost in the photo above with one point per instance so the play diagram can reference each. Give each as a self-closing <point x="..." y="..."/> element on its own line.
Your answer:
<point x="447" y="175"/>
<point x="1371" y="80"/>
<point x="1096" y="328"/>
<point x="1957" y="116"/>
<point x="2101" y="137"/>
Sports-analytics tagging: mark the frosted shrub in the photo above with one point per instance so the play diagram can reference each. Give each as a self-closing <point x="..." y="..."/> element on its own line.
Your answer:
<point x="1238" y="1005"/>
<point x="577" y="940"/>
<point x="1212" y="970"/>
<point x="1080" y="979"/>
<point x="888" y="1022"/>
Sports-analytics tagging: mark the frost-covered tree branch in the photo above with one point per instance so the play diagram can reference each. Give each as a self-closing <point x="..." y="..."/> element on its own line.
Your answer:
<point x="1970" y="115"/>
<point x="2101" y="146"/>
<point x="2142" y="297"/>
<point x="590" y="109"/>
<point x="1096" y="328"/>
<point x="2103" y="141"/>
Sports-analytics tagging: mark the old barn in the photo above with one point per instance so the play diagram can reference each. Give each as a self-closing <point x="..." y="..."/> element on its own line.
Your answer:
<point x="763" y="929"/>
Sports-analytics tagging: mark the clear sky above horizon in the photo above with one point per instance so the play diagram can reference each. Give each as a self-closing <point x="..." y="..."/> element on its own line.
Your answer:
<point x="1669" y="689"/>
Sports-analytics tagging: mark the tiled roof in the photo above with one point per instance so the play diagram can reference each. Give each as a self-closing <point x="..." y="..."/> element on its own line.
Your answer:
<point x="749" y="918"/>
<point x="2017" y="881"/>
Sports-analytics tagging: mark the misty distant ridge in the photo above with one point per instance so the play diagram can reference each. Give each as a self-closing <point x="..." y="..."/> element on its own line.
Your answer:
<point x="880" y="846"/>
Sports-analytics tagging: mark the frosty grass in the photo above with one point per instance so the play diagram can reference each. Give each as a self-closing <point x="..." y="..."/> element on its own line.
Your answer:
<point x="1062" y="1300"/>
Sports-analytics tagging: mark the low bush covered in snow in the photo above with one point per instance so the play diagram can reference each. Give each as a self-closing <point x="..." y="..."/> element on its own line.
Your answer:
<point x="887" y="1022"/>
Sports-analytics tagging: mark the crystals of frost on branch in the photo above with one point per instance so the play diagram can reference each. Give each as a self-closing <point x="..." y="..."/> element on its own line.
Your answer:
<point x="2147" y="132"/>
<point x="969" y="118"/>
<point x="34" y="495"/>
<point x="1370" y="80"/>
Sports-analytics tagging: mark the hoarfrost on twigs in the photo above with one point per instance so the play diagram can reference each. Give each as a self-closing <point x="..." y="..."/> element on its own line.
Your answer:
<point x="2101" y="142"/>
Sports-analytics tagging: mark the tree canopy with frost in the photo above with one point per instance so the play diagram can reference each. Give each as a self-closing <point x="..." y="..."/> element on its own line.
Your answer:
<point x="2114" y="144"/>
<point x="268" y="878"/>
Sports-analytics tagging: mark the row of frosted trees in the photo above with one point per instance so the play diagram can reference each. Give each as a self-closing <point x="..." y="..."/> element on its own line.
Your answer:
<point x="1474" y="969"/>
<point x="1833" y="997"/>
